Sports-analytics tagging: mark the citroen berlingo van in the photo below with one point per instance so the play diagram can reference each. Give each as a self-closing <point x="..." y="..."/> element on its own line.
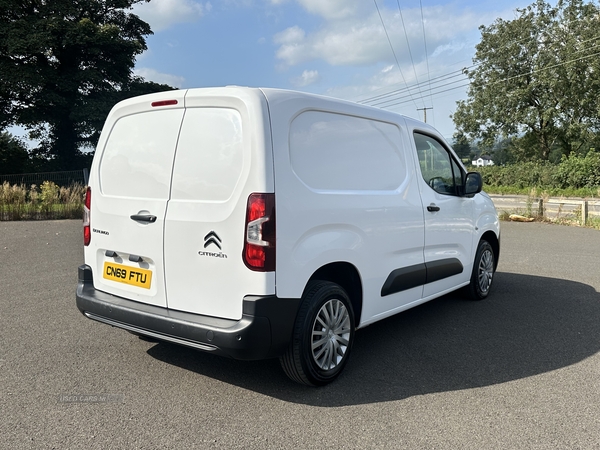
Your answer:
<point x="257" y="223"/>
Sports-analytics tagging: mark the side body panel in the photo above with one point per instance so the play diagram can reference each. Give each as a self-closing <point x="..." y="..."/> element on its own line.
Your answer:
<point x="329" y="210"/>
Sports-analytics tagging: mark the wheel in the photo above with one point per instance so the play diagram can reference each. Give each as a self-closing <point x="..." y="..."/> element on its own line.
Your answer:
<point x="322" y="337"/>
<point x="483" y="271"/>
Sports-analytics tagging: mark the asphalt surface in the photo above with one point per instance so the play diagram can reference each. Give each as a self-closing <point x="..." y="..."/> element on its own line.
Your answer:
<point x="520" y="370"/>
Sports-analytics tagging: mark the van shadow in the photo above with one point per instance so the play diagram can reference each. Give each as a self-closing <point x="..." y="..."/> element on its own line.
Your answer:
<point x="529" y="325"/>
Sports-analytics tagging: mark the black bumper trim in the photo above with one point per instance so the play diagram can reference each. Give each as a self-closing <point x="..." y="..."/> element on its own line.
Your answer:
<point x="264" y="331"/>
<point x="163" y="337"/>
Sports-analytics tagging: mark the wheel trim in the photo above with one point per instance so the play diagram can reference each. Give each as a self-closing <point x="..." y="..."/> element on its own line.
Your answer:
<point x="330" y="335"/>
<point x="486" y="270"/>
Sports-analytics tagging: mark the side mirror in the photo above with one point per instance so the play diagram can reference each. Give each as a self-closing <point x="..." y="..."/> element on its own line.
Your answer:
<point x="473" y="183"/>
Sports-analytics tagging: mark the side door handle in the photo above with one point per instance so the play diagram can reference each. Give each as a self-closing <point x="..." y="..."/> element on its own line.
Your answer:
<point x="433" y="208"/>
<point x="143" y="218"/>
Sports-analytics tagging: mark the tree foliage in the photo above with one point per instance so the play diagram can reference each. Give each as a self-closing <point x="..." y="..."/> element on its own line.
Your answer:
<point x="572" y="172"/>
<point x="536" y="80"/>
<point x="461" y="145"/>
<point x="13" y="155"/>
<point x="64" y="63"/>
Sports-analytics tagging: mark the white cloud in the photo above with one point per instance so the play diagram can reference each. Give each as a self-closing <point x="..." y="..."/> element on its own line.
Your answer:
<point x="157" y="77"/>
<point x="349" y="35"/>
<point x="308" y="77"/>
<point x="352" y="39"/>
<point x="334" y="9"/>
<point x="451" y="48"/>
<point x="161" y="14"/>
<point x="292" y="35"/>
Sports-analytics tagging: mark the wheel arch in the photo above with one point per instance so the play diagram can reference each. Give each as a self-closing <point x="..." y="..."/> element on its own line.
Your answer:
<point x="494" y="241"/>
<point x="347" y="276"/>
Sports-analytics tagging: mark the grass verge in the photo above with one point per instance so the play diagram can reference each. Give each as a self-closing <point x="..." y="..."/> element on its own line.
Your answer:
<point x="45" y="202"/>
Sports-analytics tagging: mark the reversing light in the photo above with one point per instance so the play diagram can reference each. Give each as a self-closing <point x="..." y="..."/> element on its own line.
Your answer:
<point x="87" y="231"/>
<point x="259" y="242"/>
<point x="164" y="103"/>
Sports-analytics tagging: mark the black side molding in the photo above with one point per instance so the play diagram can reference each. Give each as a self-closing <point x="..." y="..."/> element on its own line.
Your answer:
<point x="403" y="279"/>
<point x="443" y="268"/>
<point x="419" y="274"/>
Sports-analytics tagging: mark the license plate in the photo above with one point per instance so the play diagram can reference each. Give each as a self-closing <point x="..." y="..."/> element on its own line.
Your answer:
<point x="133" y="276"/>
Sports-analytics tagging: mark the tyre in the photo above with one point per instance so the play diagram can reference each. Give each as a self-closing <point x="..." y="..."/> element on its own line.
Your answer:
<point x="483" y="271"/>
<point x="323" y="335"/>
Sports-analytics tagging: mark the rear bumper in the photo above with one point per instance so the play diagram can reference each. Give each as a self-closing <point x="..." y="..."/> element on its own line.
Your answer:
<point x="264" y="331"/>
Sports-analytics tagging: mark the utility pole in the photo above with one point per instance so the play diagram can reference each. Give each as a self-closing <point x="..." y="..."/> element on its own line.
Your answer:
<point x="424" y="112"/>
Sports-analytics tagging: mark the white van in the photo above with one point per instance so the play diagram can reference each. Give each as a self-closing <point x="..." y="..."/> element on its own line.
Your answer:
<point x="258" y="223"/>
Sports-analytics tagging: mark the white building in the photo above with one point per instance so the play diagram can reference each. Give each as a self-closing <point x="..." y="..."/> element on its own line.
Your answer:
<point x="483" y="161"/>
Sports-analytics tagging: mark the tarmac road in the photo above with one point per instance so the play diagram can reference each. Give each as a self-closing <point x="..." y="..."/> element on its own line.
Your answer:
<point x="520" y="370"/>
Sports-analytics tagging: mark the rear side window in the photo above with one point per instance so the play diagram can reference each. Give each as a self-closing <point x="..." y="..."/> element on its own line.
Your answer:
<point x="138" y="155"/>
<point x="210" y="155"/>
<point x="337" y="152"/>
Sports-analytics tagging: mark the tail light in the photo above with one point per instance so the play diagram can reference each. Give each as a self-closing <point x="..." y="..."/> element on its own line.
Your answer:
<point x="87" y="231"/>
<point x="259" y="243"/>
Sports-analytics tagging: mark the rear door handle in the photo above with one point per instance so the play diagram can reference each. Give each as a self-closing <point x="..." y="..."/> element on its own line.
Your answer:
<point x="433" y="208"/>
<point x="143" y="218"/>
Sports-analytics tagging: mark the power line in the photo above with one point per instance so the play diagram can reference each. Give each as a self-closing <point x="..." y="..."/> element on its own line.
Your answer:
<point x="433" y="94"/>
<point x="412" y="61"/>
<point x="386" y="88"/>
<point x="506" y="79"/>
<point x="426" y="52"/>
<point x="383" y="103"/>
<point x="381" y="98"/>
<point x="391" y="46"/>
<point x="432" y="81"/>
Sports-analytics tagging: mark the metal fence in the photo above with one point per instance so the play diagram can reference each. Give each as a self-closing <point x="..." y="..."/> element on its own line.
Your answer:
<point x="65" y="178"/>
<point x="550" y="208"/>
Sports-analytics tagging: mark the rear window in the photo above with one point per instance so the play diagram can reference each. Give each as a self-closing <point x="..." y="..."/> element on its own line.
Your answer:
<point x="138" y="156"/>
<point x="210" y="155"/>
<point x="337" y="152"/>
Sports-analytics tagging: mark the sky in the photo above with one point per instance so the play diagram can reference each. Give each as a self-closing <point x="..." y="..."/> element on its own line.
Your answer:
<point x="358" y="50"/>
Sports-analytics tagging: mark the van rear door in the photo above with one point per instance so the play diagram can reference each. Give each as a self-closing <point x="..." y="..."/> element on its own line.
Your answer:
<point x="223" y="155"/>
<point x="130" y="188"/>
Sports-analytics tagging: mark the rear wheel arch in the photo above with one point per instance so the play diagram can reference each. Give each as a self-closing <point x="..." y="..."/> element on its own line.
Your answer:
<point x="345" y="275"/>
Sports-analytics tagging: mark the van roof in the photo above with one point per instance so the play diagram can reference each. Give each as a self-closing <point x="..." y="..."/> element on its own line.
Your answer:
<point x="274" y="96"/>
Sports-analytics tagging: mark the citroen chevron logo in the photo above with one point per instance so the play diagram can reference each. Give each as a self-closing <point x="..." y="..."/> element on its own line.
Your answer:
<point x="212" y="238"/>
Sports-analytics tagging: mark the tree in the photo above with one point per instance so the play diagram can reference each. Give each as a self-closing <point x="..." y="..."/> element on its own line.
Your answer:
<point x="461" y="145"/>
<point x="13" y="155"/>
<point x="537" y="76"/>
<point x="64" y="63"/>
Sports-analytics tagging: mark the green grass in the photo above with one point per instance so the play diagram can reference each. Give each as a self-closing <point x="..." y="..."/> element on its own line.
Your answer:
<point x="593" y="222"/>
